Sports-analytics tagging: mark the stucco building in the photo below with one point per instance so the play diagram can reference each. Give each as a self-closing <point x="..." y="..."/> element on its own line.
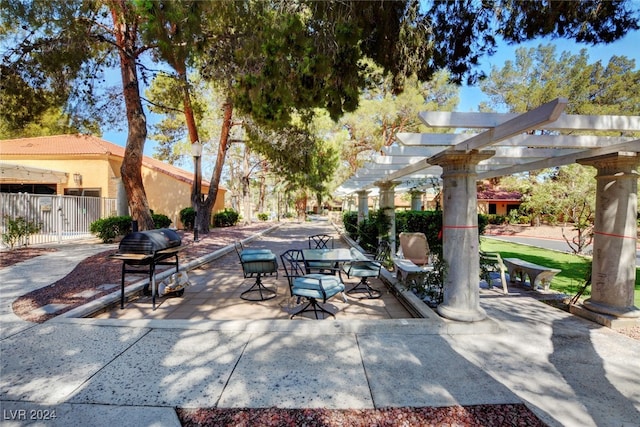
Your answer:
<point x="85" y="165"/>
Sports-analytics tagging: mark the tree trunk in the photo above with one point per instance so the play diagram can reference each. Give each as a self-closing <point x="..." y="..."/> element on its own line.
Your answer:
<point x="301" y="206"/>
<point x="131" y="169"/>
<point x="197" y="200"/>
<point x="263" y="193"/>
<point x="204" y="221"/>
<point x="190" y="120"/>
<point x="246" y="193"/>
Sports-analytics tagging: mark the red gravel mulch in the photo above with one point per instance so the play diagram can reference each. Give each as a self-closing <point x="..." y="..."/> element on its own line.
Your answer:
<point x="100" y="270"/>
<point x="17" y="255"/>
<point x="468" y="416"/>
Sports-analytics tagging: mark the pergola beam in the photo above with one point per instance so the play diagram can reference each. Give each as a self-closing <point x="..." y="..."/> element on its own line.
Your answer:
<point x="565" y="122"/>
<point x="12" y="172"/>
<point x="633" y="146"/>
<point x="411" y="150"/>
<point x="397" y="160"/>
<point x="525" y="122"/>
<point x="432" y="140"/>
<point x="501" y="151"/>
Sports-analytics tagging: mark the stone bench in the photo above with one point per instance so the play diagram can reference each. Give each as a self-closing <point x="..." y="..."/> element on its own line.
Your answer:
<point x="406" y="268"/>
<point x="490" y="262"/>
<point x="539" y="275"/>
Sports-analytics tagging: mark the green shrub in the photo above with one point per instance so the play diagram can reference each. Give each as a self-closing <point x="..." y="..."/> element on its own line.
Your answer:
<point x="19" y="230"/>
<point x="350" y="221"/>
<point x="107" y="229"/>
<point x="551" y="219"/>
<point x="483" y="220"/>
<point x="368" y="235"/>
<point x="524" y="219"/>
<point x="496" y="219"/>
<point x="373" y="229"/>
<point x="161" y="220"/>
<point x="429" y="286"/>
<point x="512" y="216"/>
<point x="226" y="218"/>
<point x="368" y="232"/>
<point x="263" y="216"/>
<point x="188" y="217"/>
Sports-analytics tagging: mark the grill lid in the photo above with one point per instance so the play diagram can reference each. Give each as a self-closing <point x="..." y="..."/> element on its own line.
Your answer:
<point x="149" y="241"/>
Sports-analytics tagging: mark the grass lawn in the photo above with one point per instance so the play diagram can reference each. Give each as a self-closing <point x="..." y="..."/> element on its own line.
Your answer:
<point x="574" y="268"/>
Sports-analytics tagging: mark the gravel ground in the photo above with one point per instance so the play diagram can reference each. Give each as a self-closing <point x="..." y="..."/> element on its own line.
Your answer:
<point x="478" y="415"/>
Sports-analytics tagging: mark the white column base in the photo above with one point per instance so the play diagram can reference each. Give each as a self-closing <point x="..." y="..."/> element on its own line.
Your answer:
<point x="631" y="312"/>
<point x="452" y="313"/>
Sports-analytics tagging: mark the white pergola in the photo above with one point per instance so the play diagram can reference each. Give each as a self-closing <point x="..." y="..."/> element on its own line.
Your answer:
<point x="516" y="150"/>
<point x="487" y="145"/>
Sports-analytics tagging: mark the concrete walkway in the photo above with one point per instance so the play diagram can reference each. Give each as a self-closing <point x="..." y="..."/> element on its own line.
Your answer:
<point x="98" y="372"/>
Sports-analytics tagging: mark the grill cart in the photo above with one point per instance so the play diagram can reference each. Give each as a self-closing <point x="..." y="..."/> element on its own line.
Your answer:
<point x="142" y="251"/>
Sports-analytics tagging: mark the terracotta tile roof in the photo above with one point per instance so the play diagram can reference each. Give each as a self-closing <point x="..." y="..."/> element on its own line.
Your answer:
<point x="76" y="145"/>
<point x="497" y="194"/>
<point x="60" y="145"/>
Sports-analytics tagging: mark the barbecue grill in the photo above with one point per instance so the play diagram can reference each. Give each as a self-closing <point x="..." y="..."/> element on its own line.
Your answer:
<point x="143" y="250"/>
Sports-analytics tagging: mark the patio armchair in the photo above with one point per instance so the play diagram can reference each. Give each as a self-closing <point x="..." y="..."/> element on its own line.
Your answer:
<point x="415" y="248"/>
<point x="315" y="288"/>
<point x="366" y="269"/>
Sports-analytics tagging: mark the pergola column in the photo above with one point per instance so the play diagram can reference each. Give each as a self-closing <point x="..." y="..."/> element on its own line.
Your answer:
<point x="388" y="207"/>
<point x="614" y="244"/>
<point x="363" y="205"/>
<point x="460" y="235"/>
<point x="416" y="199"/>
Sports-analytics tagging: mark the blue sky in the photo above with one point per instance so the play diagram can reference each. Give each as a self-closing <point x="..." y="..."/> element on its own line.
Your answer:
<point x="470" y="97"/>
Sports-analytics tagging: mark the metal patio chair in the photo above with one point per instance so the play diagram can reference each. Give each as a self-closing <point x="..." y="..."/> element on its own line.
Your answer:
<point x="315" y="288"/>
<point x="257" y="263"/>
<point x="366" y="269"/>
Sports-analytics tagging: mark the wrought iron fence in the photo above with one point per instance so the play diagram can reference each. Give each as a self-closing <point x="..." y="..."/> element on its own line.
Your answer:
<point x="58" y="217"/>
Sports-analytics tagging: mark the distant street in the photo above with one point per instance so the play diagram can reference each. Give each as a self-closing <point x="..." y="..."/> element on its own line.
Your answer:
<point x="558" y="245"/>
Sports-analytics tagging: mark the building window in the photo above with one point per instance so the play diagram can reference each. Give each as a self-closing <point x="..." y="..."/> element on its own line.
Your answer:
<point x="28" y="188"/>
<point x="493" y="209"/>
<point x="87" y="192"/>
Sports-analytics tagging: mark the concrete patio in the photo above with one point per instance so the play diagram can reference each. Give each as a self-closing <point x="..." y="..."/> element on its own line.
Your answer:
<point x="217" y="285"/>
<point x="101" y="371"/>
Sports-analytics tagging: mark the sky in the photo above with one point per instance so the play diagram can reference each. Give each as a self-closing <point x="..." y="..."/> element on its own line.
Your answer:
<point x="470" y="97"/>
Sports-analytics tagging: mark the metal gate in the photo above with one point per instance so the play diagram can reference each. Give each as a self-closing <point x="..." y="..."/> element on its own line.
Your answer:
<point x="58" y="217"/>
